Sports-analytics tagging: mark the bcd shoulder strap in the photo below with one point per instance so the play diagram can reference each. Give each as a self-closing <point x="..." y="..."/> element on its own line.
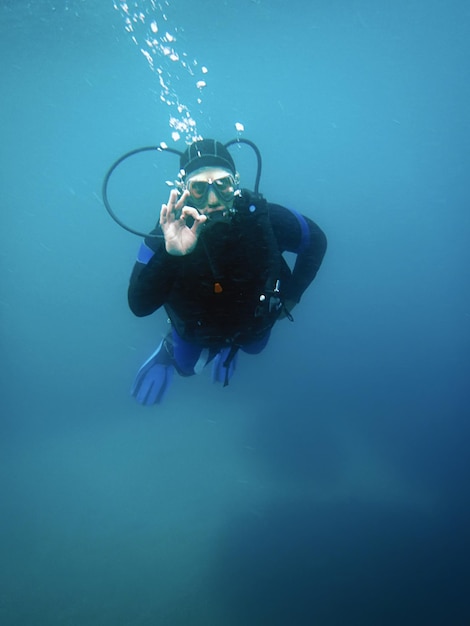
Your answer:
<point x="252" y="213"/>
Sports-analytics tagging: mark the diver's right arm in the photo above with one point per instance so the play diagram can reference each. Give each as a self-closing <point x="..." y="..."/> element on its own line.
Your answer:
<point x="158" y="257"/>
<point x="152" y="276"/>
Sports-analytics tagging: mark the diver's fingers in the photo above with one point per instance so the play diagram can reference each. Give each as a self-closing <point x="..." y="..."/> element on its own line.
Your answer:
<point x="199" y="219"/>
<point x="164" y="215"/>
<point x="198" y="224"/>
<point x="182" y="200"/>
<point x="189" y="211"/>
<point x="170" y="210"/>
<point x="173" y="201"/>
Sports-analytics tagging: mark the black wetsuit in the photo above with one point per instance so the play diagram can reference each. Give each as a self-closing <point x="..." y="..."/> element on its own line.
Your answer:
<point x="223" y="291"/>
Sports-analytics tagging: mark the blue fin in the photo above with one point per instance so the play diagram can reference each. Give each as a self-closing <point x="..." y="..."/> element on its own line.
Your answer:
<point x="153" y="378"/>
<point x="220" y="374"/>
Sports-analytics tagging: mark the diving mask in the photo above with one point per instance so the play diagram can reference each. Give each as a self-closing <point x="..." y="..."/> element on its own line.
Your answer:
<point x="223" y="187"/>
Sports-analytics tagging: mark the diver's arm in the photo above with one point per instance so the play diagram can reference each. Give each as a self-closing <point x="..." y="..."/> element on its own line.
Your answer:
<point x="151" y="278"/>
<point x="302" y="236"/>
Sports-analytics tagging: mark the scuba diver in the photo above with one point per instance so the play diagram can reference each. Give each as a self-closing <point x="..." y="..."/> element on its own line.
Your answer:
<point x="215" y="263"/>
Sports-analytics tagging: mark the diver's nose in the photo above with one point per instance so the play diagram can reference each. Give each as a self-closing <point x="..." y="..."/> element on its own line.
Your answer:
<point x="212" y="198"/>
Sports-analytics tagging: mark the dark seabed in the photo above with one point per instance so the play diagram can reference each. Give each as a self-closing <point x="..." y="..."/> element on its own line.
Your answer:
<point x="328" y="485"/>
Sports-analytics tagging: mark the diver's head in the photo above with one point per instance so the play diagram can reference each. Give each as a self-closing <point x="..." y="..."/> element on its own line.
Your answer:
<point x="208" y="172"/>
<point x="205" y="153"/>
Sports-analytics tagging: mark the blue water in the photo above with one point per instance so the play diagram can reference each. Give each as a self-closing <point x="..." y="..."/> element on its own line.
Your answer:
<point x="328" y="485"/>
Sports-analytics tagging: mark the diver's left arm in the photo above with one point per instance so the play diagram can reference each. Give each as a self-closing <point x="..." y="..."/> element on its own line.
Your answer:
<point x="302" y="236"/>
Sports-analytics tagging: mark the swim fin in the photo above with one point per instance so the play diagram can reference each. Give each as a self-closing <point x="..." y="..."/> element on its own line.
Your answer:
<point x="223" y="365"/>
<point x="154" y="377"/>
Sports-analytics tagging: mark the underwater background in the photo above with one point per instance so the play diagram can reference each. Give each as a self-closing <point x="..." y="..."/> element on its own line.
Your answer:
<point x="328" y="485"/>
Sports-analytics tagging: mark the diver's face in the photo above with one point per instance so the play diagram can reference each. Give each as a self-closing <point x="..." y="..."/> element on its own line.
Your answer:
<point x="211" y="191"/>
